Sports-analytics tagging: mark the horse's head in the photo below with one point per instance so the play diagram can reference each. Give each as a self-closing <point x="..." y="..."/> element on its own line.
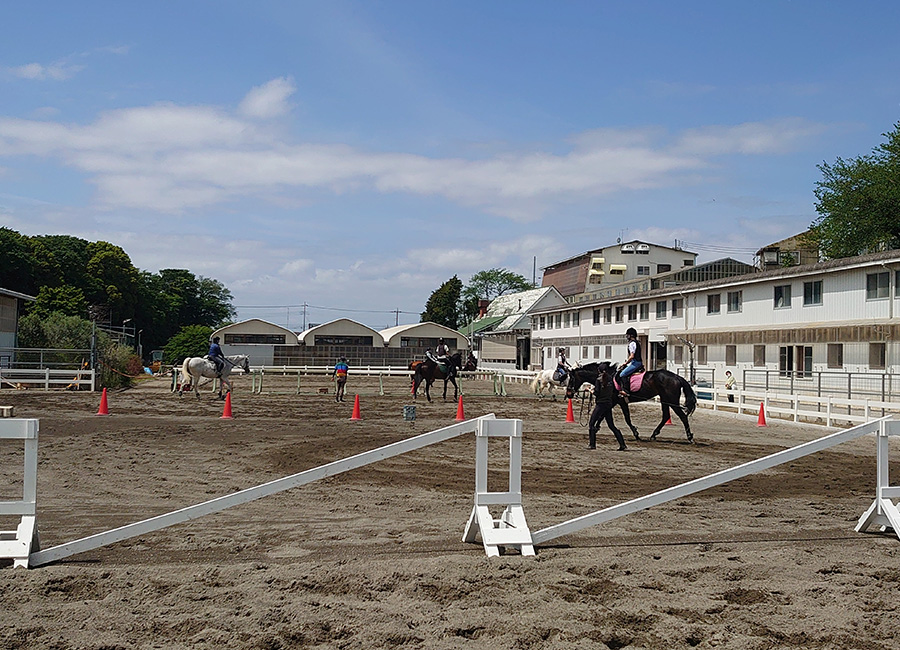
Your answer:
<point x="245" y="364"/>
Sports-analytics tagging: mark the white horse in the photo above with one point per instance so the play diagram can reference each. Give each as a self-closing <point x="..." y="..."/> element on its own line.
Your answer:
<point x="195" y="368"/>
<point x="544" y="381"/>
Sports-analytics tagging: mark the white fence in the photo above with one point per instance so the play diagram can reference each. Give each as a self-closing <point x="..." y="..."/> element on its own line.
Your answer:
<point x="47" y="378"/>
<point x="830" y="411"/>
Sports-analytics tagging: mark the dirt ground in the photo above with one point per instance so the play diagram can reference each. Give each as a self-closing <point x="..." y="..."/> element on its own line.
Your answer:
<point x="374" y="559"/>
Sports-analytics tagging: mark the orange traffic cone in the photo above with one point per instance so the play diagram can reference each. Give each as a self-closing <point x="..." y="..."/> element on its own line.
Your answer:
<point x="356" y="415"/>
<point x="226" y="412"/>
<point x="104" y="407"/>
<point x="669" y="421"/>
<point x="761" y="421"/>
<point x="460" y="414"/>
<point x="570" y="414"/>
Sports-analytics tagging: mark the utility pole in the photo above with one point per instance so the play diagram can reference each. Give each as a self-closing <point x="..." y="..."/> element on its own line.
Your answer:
<point x="396" y="317"/>
<point x="304" y="316"/>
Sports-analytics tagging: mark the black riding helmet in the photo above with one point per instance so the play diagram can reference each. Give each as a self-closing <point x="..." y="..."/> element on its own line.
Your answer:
<point x="631" y="332"/>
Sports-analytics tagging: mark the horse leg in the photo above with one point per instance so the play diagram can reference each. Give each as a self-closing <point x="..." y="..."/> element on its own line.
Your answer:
<point x="455" y="388"/>
<point x="665" y="418"/>
<point x="627" y="413"/>
<point x="428" y="389"/>
<point x="684" y="420"/>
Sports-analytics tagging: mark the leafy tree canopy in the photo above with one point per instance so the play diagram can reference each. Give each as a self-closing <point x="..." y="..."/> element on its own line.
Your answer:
<point x="489" y="284"/>
<point x="442" y="305"/>
<point x="66" y="300"/>
<point x="190" y="341"/>
<point x="858" y="202"/>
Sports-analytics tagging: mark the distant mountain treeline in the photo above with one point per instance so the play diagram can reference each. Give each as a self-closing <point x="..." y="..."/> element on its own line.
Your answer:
<point x="97" y="281"/>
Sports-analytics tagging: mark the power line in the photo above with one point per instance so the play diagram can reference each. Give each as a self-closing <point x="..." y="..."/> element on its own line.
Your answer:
<point x="308" y="306"/>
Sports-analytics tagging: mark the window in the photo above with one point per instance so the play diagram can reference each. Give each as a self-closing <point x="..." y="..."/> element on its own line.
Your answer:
<point x="876" y="356"/>
<point x="804" y="361"/>
<point x="597" y="317"/>
<point x="617" y="269"/>
<point x="785" y="361"/>
<point x="812" y="293"/>
<point x="607" y="315"/>
<point x="759" y="355"/>
<point x="584" y="352"/>
<point x="677" y="307"/>
<point x="782" y="296"/>
<point x="730" y="355"/>
<point x="701" y="355"/>
<point x="878" y="285"/>
<point x="567" y="319"/>
<point x="558" y="321"/>
<point x="835" y="355"/>
<point x="661" y="309"/>
<point x="632" y="312"/>
<point x="609" y="352"/>
<point x="688" y="263"/>
<point x="897" y="283"/>
<point x="735" y="301"/>
<point x="645" y="310"/>
<point x="714" y="303"/>
<point x="663" y="268"/>
<point x="678" y="354"/>
<point x="279" y="339"/>
<point x="541" y="325"/>
<point x="643" y="270"/>
<point x="620" y="314"/>
<point x="596" y="351"/>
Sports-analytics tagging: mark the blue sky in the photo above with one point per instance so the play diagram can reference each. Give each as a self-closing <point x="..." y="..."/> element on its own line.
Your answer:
<point x="355" y="155"/>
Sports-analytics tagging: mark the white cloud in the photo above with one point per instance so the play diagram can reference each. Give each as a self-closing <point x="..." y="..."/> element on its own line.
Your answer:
<point x="171" y="159"/>
<point x="269" y="100"/>
<point x="57" y="71"/>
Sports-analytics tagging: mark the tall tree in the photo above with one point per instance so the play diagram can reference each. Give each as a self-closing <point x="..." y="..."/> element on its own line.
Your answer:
<point x="443" y="304"/>
<point x="489" y="284"/>
<point x="858" y="201"/>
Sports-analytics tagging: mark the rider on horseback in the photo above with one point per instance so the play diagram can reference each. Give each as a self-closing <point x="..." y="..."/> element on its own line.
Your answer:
<point x="633" y="363"/>
<point x="562" y="366"/>
<point x="216" y="356"/>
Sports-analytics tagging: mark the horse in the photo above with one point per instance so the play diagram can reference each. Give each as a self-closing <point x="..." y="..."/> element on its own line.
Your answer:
<point x="544" y="380"/>
<point x="193" y="369"/>
<point x="428" y="370"/>
<point x="667" y="385"/>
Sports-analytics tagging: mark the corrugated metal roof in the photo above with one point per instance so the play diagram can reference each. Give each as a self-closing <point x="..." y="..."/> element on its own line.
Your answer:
<point x="516" y="303"/>
<point x="16" y="294"/>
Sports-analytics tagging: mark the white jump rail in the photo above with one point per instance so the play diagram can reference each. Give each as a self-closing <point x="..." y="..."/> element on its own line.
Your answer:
<point x="493" y="537"/>
<point x="884" y="427"/>
<point x="18" y="544"/>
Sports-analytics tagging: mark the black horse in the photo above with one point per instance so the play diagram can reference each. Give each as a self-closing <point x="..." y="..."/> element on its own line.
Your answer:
<point x="429" y="370"/>
<point x="667" y="385"/>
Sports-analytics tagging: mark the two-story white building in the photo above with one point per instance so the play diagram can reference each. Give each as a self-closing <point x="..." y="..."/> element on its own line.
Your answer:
<point x="839" y="315"/>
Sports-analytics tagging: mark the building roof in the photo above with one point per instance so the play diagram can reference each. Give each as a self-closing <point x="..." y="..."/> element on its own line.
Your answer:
<point x="378" y="339"/>
<point x="516" y="303"/>
<point x="392" y="332"/>
<point x="16" y="294"/>
<point x="617" y="245"/>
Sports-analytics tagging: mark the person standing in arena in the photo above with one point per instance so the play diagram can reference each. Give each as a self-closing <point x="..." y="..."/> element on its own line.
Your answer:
<point x="339" y="376"/>
<point x="603" y="395"/>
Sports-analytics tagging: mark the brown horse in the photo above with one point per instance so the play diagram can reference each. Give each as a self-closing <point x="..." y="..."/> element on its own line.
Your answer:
<point x="428" y="370"/>
<point x="667" y="385"/>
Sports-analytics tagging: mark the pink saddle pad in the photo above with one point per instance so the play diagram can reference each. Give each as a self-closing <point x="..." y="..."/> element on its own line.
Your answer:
<point x="636" y="380"/>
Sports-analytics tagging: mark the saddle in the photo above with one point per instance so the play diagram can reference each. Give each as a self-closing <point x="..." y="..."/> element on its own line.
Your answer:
<point x="635" y="381"/>
<point x="559" y="375"/>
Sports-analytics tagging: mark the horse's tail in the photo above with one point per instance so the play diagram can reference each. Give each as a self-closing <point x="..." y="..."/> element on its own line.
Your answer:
<point x="535" y="383"/>
<point x="690" y="397"/>
<point x="186" y="371"/>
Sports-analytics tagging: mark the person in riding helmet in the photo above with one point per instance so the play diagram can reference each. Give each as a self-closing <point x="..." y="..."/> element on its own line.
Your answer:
<point x="442" y="352"/>
<point x="215" y="355"/>
<point x="634" y="362"/>
<point x="562" y="365"/>
<point x="339" y="375"/>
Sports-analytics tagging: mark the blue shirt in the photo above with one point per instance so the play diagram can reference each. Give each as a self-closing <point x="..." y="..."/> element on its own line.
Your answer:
<point x="215" y="351"/>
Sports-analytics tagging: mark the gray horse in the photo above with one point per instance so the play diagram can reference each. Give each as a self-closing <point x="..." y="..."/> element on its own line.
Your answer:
<point x="195" y="368"/>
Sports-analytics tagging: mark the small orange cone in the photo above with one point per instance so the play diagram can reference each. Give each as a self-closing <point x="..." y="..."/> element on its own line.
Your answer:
<point x="226" y="412"/>
<point x="356" y="415"/>
<point x="761" y="421"/>
<point x="460" y="414"/>
<point x="104" y="407"/>
<point x="669" y="421"/>
<point x="570" y="414"/>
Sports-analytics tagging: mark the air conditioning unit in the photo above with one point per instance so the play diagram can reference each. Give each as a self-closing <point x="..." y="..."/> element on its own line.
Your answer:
<point x="643" y="248"/>
<point x="627" y="248"/>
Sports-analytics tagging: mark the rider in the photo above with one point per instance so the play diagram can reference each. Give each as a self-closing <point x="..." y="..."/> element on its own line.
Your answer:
<point x="634" y="362"/>
<point x="562" y="364"/>
<point x="442" y="352"/>
<point x="216" y="356"/>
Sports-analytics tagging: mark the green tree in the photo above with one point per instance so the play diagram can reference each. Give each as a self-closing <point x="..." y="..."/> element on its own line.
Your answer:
<point x="66" y="299"/>
<point x="858" y="202"/>
<point x="114" y="279"/>
<point x="190" y="341"/>
<point x="489" y="284"/>
<point x="442" y="305"/>
<point x="55" y="330"/>
<point x="25" y="264"/>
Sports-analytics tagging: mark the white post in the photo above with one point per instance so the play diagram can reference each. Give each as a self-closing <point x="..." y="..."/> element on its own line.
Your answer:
<point x="511" y="529"/>
<point x="883" y="512"/>
<point x="18" y="544"/>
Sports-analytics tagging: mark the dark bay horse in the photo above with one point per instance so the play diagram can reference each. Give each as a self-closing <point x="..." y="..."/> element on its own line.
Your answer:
<point x="667" y="385"/>
<point x="428" y="370"/>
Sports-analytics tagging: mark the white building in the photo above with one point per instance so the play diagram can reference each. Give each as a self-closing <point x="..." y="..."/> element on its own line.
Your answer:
<point x="841" y="316"/>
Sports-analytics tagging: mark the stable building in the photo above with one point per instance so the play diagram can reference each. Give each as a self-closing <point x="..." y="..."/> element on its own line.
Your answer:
<point x="12" y="305"/>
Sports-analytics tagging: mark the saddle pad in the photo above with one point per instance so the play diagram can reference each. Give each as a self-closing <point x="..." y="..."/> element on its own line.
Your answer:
<point x="636" y="380"/>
